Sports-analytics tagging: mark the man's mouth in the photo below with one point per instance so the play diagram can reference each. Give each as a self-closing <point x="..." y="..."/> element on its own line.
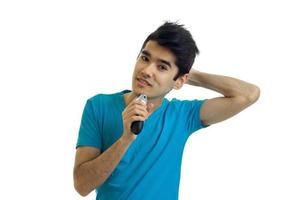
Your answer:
<point x="143" y="82"/>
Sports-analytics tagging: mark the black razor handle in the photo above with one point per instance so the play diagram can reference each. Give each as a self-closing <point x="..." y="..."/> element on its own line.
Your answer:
<point x="136" y="127"/>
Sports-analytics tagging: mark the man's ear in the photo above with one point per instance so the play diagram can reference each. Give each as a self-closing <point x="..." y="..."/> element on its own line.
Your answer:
<point x="180" y="81"/>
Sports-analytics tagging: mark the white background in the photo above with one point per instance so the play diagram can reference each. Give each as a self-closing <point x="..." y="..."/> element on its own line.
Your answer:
<point x="54" y="55"/>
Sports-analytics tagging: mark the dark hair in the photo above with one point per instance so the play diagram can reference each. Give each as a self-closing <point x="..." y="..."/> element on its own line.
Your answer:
<point x="179" y="41"/>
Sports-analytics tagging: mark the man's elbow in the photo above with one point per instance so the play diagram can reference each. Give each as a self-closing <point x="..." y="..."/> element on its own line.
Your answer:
<point x="254" y="94"/>
<point x="249" y="97"/>
<point x="80" y="188"/>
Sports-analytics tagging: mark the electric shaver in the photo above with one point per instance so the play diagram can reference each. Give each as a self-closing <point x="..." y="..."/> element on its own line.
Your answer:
<point x="137" y="126"/>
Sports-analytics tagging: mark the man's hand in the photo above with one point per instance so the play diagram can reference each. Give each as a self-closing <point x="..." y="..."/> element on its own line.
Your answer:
<point x="135" y="111"/>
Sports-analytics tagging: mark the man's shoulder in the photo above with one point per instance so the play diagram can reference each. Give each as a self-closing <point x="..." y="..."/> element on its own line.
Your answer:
<point x="181" y="105"/>
<point x="178" y="102"/>
<point x="105" y="96"/>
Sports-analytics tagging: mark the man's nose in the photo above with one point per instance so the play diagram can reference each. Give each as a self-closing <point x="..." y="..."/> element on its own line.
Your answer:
<point x="148" y="71"/>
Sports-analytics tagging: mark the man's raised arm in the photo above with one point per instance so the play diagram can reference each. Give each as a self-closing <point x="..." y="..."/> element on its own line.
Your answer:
<point x="237" y="95"/>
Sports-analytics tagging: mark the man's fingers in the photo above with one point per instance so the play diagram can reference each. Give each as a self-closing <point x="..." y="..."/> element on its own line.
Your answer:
<point x="136" y="110"/>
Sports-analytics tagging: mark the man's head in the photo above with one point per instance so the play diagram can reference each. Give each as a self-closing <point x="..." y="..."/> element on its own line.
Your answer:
<point x="165" y="60"/>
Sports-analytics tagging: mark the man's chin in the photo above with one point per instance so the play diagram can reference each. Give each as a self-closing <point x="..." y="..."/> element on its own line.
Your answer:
<point x="138" y="90"/>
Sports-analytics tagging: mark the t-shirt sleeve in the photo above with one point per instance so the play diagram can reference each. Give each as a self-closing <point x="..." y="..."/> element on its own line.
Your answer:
<point x="193" y="109"/>
<point x="89" y="133"/>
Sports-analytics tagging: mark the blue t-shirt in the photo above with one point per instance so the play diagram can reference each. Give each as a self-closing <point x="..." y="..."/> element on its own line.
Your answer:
<point x="150" y="168"/>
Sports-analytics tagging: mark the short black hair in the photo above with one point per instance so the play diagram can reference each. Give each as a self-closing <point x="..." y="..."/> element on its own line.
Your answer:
<point x="179" y="41"/>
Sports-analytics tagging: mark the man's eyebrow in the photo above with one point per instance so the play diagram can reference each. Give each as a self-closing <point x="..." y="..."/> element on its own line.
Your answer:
<point x="165" y="62"/>
<point x="147" y="53"/>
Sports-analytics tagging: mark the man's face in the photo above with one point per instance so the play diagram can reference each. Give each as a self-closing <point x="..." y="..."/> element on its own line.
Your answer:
<point x="154" y="71"/>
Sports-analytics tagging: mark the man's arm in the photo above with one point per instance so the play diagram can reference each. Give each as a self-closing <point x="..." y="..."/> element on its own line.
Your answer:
<point x="92" y="167"/>
<point x="237" y="95"/>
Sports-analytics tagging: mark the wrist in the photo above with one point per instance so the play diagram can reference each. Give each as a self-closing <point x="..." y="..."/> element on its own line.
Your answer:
<point x="127" y="138"/>
<point x="195" y="78"/>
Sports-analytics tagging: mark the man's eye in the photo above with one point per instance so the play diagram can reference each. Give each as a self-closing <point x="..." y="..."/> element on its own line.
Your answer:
<point x="144" y="58"/>
<point x="162" y="67"/>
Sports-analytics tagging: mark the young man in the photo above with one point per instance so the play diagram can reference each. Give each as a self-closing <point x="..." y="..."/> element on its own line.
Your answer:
<point x="122" y="165"/>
